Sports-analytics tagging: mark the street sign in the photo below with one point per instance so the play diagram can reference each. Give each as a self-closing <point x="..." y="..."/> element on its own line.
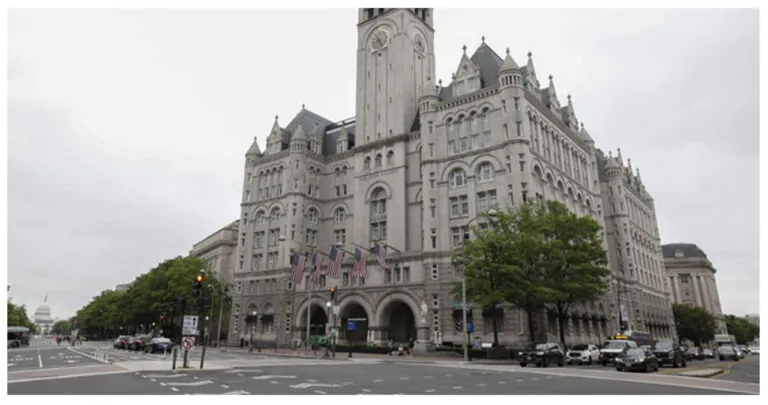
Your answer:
<point x="188" y="343"/>
<point x="335" y="332"/>
<point x="470" y="326"/>
<point x="351" y="325"/>
<point x="189" y="327"/>
<point x="336" y="310"/>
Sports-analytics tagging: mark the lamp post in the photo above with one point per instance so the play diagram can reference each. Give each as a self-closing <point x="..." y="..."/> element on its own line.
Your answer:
<point x="306" y="255"/>
<point x="222" y="295"/>
<point x="491" y="213"/>
<point x="253" y="324"/>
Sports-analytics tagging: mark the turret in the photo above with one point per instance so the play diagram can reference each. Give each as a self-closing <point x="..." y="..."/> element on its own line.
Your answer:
<point x="531" y="82"/>
<point x="510" y="74"/>
<point x="275" y="139"/>
<point x="553" y="102"/>
<point x="316" y="139"/>
<point x="569" y="116"/>
<point x="299" y="140"/>
<point x="427" y="111"/>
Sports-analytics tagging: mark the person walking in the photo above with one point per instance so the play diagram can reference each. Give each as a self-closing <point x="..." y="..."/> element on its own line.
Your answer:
<point x="242" y="342"/>
<point x="391" y="345"/>
<point x="411" y="344"/>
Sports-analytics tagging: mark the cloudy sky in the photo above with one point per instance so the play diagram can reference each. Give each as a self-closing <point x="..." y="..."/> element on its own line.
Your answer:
<point x="127" y="129"/>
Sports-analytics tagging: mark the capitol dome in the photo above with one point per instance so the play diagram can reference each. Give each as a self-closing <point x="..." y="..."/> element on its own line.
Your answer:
<point x="42" y="317"/>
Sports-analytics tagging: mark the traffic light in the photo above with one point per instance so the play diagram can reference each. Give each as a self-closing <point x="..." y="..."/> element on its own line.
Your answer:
<point x="197" y="286"/>
<point x="333" y="293"/>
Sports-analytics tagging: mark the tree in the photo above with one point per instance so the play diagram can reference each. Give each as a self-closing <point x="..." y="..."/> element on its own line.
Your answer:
<point x="694" y="323"/>
<point x="534" y="257"/>
<point x="573" y="260"/>
<point x="17" y="316"/>
<point x="742" y="330"/>
<point x="62" y="328"/>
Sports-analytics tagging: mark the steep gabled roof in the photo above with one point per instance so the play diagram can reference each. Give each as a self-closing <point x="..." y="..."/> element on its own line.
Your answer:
<point x="489" y="63"/>
<point x="307" y="120"/>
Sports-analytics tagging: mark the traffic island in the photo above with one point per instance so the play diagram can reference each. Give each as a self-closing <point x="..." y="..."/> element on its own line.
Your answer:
<point x="701" y="372"/>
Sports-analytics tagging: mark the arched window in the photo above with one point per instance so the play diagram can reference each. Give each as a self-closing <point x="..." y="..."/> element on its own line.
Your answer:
<point x="378" y="202"/>
<point x="275" y="214"/>
<point x="378" y="215"/>
<point x="457" y="178"/>
<point x="339" y="215"/>
<point x="367" y="163"/>
<point x="485" y="172"/>
<point x="390" y="158"/>
<point x="378" y="161"/>
<point x="259" y="218"/>
<point x="312" y="215"/>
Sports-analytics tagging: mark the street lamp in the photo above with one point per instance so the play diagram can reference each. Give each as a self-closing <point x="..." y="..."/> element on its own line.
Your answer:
<point x="253" y="324"/>
<point x="491" y="213"/>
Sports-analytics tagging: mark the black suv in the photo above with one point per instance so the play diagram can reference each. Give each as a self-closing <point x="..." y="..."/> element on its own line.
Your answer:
<point x="542" y="355"/>
<point x="669" y="353"/>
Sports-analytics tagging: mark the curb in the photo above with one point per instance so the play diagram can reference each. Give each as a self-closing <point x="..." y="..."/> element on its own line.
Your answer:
<point x="99" y="359"/>
<point x="710" y="374"/>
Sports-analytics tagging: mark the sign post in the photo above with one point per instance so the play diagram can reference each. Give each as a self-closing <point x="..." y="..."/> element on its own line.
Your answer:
<point x="350" y="328"/>
<point x="188" y="331"/>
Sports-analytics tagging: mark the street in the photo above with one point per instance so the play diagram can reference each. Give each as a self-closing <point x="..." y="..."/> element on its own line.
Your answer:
<point x="241" y="373"/>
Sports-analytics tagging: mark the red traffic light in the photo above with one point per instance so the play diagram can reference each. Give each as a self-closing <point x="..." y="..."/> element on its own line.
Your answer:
<point x="200" y="278"/>
<point x="333" y="289"/>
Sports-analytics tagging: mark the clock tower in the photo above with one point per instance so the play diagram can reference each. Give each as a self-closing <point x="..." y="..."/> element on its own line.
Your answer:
<point x="395" y="57"/>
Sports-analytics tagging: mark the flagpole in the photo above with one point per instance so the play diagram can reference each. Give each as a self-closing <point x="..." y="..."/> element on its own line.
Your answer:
<point x="390" y="247"/>
<point x="309" y="300"/>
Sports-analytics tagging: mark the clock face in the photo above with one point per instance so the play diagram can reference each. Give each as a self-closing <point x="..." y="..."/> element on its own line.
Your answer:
<point x="379" y="40"/>
<point x="419" y="41"/>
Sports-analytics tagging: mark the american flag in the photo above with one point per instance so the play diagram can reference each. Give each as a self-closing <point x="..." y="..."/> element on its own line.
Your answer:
<point x="359" y="270"/>
<point x="317" y="264"/>
<point x="335" y="258"/>
<point x="297" y="266"/>
<point x="381" y="255"/>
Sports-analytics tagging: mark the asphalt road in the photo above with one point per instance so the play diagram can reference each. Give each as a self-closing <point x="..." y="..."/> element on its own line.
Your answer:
<point x="352" y="378"/>
<point x="45" y="357"/>
<point x="746" y="370"/>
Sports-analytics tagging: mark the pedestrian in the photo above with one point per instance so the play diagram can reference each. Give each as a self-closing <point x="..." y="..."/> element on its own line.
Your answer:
<point x="242" y="342"/>
<point x="390" y="345"/>
<point x="411" y="343"/>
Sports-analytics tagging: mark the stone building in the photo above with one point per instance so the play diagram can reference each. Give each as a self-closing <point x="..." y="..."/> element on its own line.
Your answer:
<point x="419" y="161"/>
<point x="219" y="250"/>
<point x="692" y="279"/>
<point x="42" y="318"/>
<point x="640" y="292"/>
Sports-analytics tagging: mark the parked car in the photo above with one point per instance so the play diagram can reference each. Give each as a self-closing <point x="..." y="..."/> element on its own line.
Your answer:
<point x="744" y="349"/>
<point x="728" y="353"/>
<point x="542" y="355"/>
<point x="707" y="354"/>
<point x="637" y="359"/>
<point x="581" y="354"/>
<point x="122" y="342"/>
<point x="739" y="352"/>
<point x="669" y="353"/>
<point x="158" y="344"/>
<point x="613" y="348"/>
<point x="138" y="342"/>
<point x="754" y="350"/>
<point x="693" y="353"/>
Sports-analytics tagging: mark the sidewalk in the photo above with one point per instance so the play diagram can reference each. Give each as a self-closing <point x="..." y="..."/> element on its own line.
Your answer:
<point x="383" y="358"/>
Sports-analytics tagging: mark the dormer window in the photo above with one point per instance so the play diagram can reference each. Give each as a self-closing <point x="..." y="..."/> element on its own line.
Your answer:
<point x="341" y="146"/>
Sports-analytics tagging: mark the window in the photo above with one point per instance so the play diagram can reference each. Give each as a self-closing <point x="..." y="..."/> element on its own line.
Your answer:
<point x="259" y="218"/>
<point x="312" y="215"/>
<point x="275" y="216"/>
<point x="341" y="147"/>
<point x="517" y="103"/>
<point x="345" y="280"/>
<point x="339" y="216"/>
<point x="367" y="163"/>
<point x="451" y="147"/>
<point x="485" y="172"/>
<point x="457" y="178"/>
<point x="272" y="260"/>
<point x="274" y="236"/>
<point x="487" y="139"/>
<point x="458" y="235"/>
<point x="378" y="161"/>
<point x="258" y="239"/>
<point x="435" y="272"/>
<point x="311" y="237"/>
<point x="679" y="254"/>
<point x="378" y="203"/>
<point x="390" y="158"/>
<point x="459" y="206"/>
<point x="486" y="200"/>
<point x="258" y="262"/>
<point x="378" y="230"/>
<point x="340" y="236"/>
<point x="434" y="238"/>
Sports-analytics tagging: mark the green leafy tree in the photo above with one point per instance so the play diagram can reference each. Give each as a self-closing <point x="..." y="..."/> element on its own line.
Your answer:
<point x="694" y="323"/>
<point x="742" y="330"/>
<point x="534" y="257"/>
<point x="572" y="259"/>
<point x="62" y="327"/>
<point x="17" y="316"/>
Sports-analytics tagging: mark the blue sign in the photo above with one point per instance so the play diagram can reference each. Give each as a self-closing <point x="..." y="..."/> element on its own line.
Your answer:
<point x="351" y="325"/>
<point x="470" y="326"/>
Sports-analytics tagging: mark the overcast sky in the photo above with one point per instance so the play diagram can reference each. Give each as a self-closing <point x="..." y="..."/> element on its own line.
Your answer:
<point x="128" y="129"/>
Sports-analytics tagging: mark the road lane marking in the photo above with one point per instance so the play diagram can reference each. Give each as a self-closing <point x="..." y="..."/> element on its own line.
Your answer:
<point x="481" y="385"/>
<point x="274" y="382"/>
<point x="224" y="386"/>
<point x="163" y="384"/>
<point x="191" y="383"/>
<point x="166" y="375"/>
<point x="153" y="380"/>
<point x="428" y="377"/>
<point x="502" y="382"/>
<point x="61" y="377"/>
<point x="383" y="380"/>
<point x="534" y="378"/>
<point x="428" y="391"/>
<point x="175" y="389"/>
<point x="519" y="380"/>
<point x="449" y="375"/>
<point x="268" y="377"/>
<point x="320" y="392"/>
<point x="347" y="383"/>
<point x="40" y="360"/>
<point x="458" y="387"/>
<point x="365" y="390"/>
<point x="405" y="378"/>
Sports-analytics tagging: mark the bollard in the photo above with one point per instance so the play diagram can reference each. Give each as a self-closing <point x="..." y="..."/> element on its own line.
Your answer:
<point x="174" y="359"/>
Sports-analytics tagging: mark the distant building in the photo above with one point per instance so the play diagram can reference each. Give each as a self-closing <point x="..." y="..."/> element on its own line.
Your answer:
<point x="692" y="279"/>
<point x="218" y="250"/>
<point x="123" y="287"/>
<point x="42" y="318"/>
<point x="753" y="319"/>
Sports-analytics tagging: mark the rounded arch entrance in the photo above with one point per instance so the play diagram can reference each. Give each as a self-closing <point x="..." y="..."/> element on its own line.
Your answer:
<point x="357" y="309"/>
<point x="397" y="315"/>
<point x="318" y="318"/>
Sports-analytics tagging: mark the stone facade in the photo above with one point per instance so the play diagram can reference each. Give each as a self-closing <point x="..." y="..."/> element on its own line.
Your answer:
<point x="417" y="165"/>
<point x="219" y="250"/>
<point x="692" y="279"/>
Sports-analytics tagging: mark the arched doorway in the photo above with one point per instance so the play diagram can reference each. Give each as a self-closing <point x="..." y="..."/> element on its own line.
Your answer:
<point x="401" y="322"/>
<point x="357" y="313"/>
<point x="317" y="320"/>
